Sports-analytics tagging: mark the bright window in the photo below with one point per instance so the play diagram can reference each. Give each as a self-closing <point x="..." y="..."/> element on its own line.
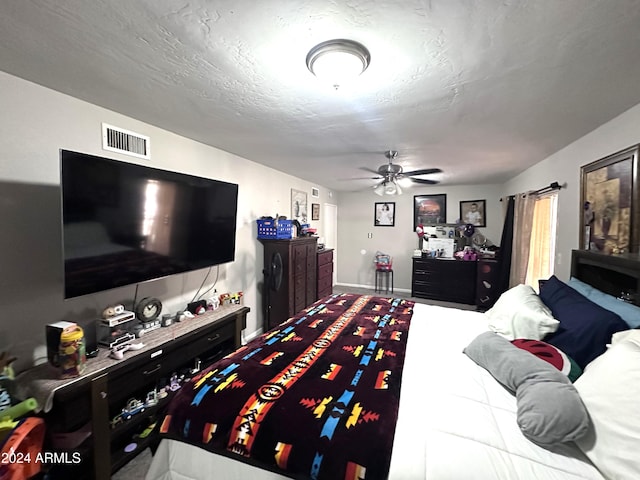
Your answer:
<point x="543" y="239"/>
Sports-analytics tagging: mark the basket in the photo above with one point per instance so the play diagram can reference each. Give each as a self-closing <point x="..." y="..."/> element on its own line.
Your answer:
<point x="268" y="229"/>
<point x="384" y="262"/>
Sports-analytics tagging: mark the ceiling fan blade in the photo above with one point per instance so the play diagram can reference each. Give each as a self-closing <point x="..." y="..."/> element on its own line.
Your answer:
<point x="366" y="169"/>
<point x="360" y="178"/>
<point x="424" y="171"/>
<point x="424" y="181"/>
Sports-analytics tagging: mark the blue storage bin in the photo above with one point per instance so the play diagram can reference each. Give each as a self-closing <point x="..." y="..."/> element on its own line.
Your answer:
<point x="268" y="229"/>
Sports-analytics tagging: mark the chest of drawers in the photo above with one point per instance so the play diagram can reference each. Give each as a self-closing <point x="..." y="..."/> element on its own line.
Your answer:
<point x="444" y="279"/>
<point x="324" y="282"/>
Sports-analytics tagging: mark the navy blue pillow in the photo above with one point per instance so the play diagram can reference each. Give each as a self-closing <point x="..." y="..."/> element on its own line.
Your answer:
<point x="585" y="328"/>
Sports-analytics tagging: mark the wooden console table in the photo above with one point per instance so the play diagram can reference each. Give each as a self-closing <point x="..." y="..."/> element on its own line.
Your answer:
<point x="99" y="395"/>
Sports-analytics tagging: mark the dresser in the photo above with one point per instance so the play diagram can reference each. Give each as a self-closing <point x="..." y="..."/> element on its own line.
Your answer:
<point x="324" y="281"/>
<point x="444" y="279"/>
<point x="299" y="278"/>
<point x="91" y="402"/>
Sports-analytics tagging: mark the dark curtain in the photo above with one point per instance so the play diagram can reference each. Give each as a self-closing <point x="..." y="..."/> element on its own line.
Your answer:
<point x="506" y="244"/>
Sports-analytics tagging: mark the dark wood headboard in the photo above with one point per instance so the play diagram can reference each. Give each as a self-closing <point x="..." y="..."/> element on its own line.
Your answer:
<point x="613" y="274"/>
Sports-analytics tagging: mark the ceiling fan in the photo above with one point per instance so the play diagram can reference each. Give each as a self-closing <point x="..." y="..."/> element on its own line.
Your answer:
<point x="392" y="174"/>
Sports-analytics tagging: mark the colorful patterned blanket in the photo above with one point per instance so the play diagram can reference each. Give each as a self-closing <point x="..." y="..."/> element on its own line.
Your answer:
<point x="317" y="397"/>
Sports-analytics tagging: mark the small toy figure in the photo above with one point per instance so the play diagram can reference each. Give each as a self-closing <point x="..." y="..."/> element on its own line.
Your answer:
<point x="174" y="384"/>
<point x="133" y="407"/>
<point x="213" y="303"/>
<point x="236" y="298"/>
<point x="152" y="398"/>
<point x="117" y="420"/>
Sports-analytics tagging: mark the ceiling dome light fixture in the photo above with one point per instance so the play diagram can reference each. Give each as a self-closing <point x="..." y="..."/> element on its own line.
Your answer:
<point x="338" y="61"/>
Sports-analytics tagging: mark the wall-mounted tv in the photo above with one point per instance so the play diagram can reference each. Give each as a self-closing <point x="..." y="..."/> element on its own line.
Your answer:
<point x="125" y="223"/>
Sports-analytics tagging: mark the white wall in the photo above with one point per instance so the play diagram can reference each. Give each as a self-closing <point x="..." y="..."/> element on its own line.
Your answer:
<point x="355" y="223"/>
<point x="564" y="167"/>
<point x="35" y="124"/>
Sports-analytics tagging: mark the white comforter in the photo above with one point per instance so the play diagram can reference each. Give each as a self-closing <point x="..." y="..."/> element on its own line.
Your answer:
<point x="455" y="421"/>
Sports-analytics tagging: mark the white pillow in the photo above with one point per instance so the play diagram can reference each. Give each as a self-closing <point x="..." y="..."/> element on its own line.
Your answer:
<point x="519" y="313"/>
<point x="609" y="389"/>
<point x="632" y="335"/>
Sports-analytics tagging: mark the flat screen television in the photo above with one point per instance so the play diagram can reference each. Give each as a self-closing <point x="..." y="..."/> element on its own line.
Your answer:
<point x="125" y="223"/>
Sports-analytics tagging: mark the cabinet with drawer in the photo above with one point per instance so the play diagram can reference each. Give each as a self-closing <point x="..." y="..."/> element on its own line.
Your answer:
<point x="91" y="403"/>
<point x="325" y="273"/>
<point x="297" y="288"/>
<point x="444" y="279"/>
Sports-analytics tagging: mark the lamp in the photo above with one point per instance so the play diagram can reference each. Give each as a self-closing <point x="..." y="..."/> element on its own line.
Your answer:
<point x="338" y="60"/>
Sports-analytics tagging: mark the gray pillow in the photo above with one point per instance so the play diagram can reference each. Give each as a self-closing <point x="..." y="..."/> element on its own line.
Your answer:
<point x="550" y="410"/>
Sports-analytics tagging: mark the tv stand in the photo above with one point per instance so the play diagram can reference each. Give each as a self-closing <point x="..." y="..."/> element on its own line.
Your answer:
<point x="88" y="404"/>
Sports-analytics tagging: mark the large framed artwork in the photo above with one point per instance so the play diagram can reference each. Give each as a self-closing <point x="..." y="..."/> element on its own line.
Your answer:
<point x="474" y="212"/>
<point x="429" y="209"/>
<point x="609" y="219"/>
<point x="384" y="214"/>
<point x="299" y="205"/>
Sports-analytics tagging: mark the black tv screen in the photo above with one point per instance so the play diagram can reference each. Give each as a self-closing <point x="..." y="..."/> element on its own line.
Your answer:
<point x="126" y="223"/>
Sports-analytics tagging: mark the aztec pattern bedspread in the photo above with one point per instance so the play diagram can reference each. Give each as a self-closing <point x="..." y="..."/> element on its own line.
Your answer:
<point x="317" y="397"/>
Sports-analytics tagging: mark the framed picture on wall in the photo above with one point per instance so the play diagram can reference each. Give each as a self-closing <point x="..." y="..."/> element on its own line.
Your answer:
<point x="299" y="205"/>
<point x="429" y="209"/>
<point x="473" y="212"/>
<point x="384" y="214"/>
<point x="315" y="211"/>
<point x="609" y="198"/>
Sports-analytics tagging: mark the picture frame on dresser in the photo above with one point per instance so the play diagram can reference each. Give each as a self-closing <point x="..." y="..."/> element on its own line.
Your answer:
<point x="609" y="189"/>
<point x="429" y="209"/>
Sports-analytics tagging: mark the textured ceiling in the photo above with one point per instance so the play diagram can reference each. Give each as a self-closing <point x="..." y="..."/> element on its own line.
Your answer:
<point x="482" y="89"/>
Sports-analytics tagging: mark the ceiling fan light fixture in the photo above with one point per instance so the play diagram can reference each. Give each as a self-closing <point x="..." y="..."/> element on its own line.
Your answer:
<point x="404" y="182"/>
<point x="393" y="179"/>
<point x="338" y="60"/>
<point x="379" y="189"/>
<point x="390" y="188"/>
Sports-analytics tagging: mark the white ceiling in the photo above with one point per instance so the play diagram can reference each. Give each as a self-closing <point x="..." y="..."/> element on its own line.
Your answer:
<point x="480" y="88"/>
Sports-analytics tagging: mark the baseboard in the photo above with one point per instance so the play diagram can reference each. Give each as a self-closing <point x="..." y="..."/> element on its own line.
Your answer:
<point x="370" y="287"/>
<point x="251" y="336"/>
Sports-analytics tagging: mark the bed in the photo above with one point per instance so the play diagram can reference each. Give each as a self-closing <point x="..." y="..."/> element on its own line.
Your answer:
<point x="455" y="418"/>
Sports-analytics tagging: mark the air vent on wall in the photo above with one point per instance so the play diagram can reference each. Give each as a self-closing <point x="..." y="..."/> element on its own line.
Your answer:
<point x="123" y="141"/>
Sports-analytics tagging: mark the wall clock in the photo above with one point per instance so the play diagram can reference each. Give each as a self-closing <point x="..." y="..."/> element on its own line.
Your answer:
<point x="148" y="309"/>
